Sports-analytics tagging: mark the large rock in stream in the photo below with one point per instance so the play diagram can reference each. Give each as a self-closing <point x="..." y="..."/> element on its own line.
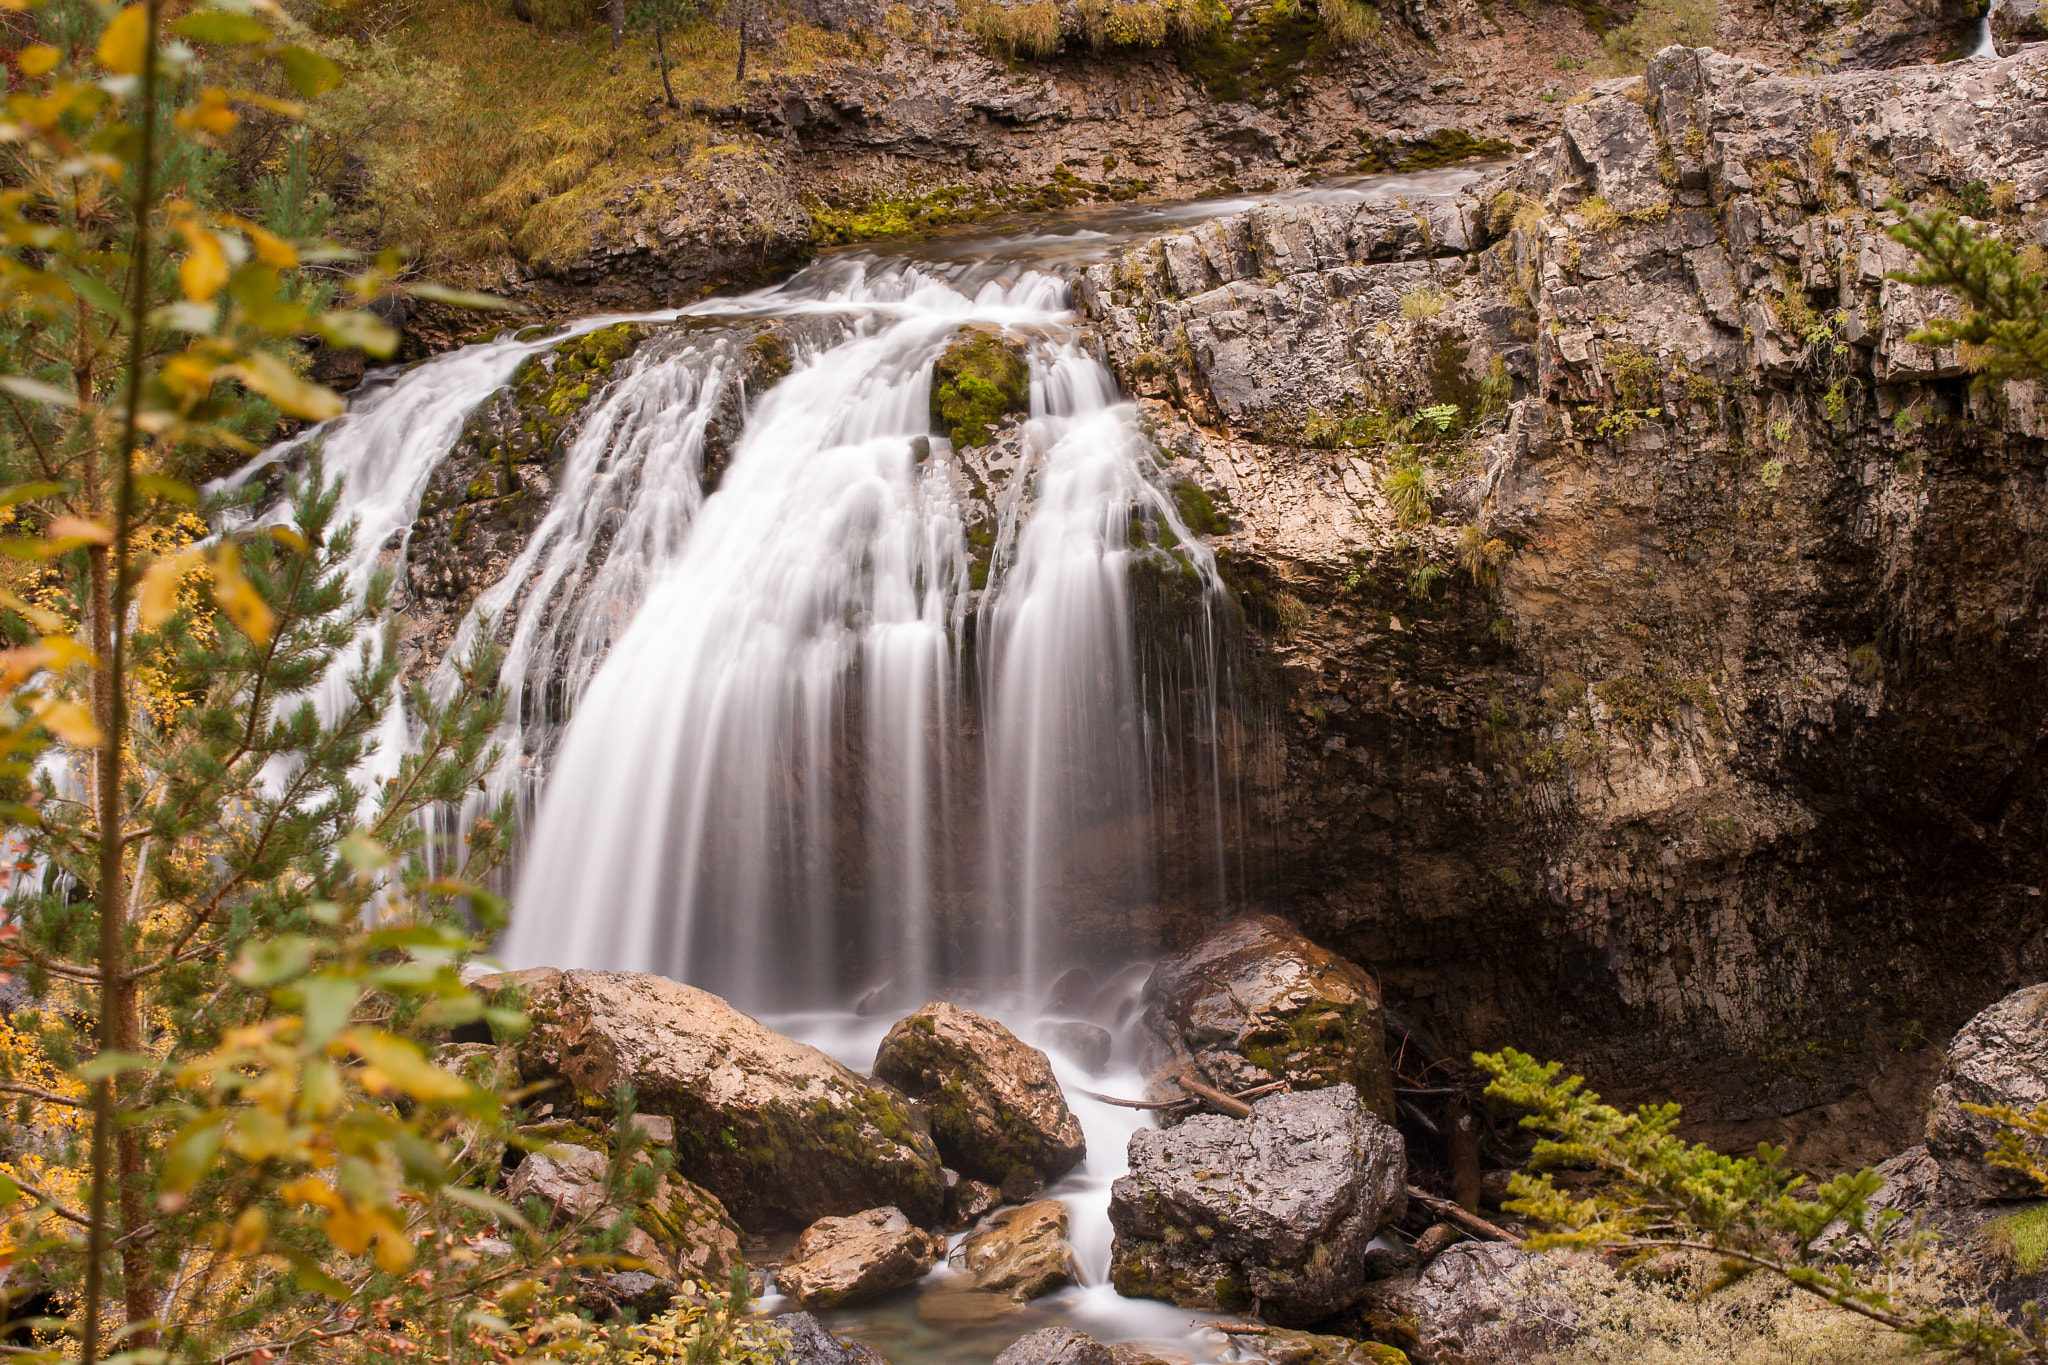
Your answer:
<point x="1271" y="1213"/>
<point x="839" y="1262"/>
<point x="996" y="1108"/>
<point x="1021" y="1252"/>
<point x="1999" y="1058"/>
<point x="1257" y="1002"/>
<point x="781" y="1133"/>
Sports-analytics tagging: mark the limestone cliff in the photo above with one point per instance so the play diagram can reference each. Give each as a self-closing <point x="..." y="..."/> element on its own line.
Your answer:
<point x="1697" y="733"/>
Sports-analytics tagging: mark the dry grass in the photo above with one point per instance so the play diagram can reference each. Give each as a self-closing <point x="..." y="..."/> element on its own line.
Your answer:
<point x="490" y="136"/>
<point x="1037" y="30"/>
<point x="1350" y="24"/>
<point x="1422" y="302"/>
<point x="1031" y="30"/>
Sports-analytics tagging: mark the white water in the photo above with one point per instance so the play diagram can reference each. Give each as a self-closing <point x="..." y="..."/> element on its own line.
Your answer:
<point x="1987" y="48"/>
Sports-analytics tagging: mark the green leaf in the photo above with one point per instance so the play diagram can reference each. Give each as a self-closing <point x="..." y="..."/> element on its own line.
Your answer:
<point x="365" y="854"/>
<point x="460" y="298"/>
<point x="312" y="1278"/>
<point x="24" y="492"/>
<point x="358" y="330"/>
<point x="216" y="26"/>
<point x="164" y="486"/>
<point x="36" y="391"/>
<point x="269" y="961"/>
<point x="190" y="1154"/>
<point x="310" y="73"/>
<point x="109" y="1064"/>
<point x="325" y="1002"/>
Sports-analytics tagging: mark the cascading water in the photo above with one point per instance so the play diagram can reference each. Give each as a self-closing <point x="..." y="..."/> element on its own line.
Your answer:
<point x="875" y="709"/>
<point x="770" y="785"/>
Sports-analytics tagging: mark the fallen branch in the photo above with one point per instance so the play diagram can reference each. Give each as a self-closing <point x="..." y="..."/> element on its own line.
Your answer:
<point x="1235" y="1329"/>
<point x="1471" y="1222"/>
<point x="1214" y="1098"/>
<point x="1137" y="1104"/>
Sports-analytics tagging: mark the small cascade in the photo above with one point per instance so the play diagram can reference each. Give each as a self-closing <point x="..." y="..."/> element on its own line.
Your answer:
<point x="1987" y="47"/>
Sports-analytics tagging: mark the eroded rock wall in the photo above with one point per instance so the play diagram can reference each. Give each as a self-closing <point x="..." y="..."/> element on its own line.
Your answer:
<point x="1698" y="733"/>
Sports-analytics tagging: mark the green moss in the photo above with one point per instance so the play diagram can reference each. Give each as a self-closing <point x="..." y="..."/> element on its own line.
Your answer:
<point x="1445" y="147"/>
<point x="885" y="216"/>
<point x="975" y="383"/>
<point x="1249" y="60"/>
<point x="552" y="386"/>
<point x="1198" y="510"/>
<point x="773" y="355"/>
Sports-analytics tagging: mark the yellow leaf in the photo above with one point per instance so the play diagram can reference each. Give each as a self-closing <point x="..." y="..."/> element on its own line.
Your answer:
<point x="272" y="249"/>
<point x="394" y="1249"/>
<point x="37" y="617"/>
<point x="252" y="1229"/>
<point x="350" y="1229"/>
<point x="395" y="1064"/>
<point x="121" y="46"/>
<point x="158" y="594"/>
<point x="274" y="379"/>
<point x="38" y="59"/>
<point x="209" y="114"/>
<point x="243" y="604"/>
<point x="80" y="531"/>
<point x="204" y="271"/>
<point x="62" y="651"/>
<point x="69" y="722"/>
<point x="309" y="1189"/>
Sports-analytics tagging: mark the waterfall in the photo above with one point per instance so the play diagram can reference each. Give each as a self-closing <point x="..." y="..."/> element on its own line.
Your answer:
<point x="783" y="746"/>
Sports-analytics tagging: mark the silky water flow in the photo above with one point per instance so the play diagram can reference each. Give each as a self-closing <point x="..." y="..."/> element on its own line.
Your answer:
<point x="876" y="718"/>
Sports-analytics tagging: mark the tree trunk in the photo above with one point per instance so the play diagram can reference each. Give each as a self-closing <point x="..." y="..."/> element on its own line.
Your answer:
<point x="617" y="10"/>
<point x="661" y="55"/>
<point x="743" y="42"/>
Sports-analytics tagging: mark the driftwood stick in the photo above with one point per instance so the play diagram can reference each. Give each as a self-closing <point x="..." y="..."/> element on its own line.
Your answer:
<point x="1258" y="1090"/>
<point x="1214" y="1098"/>
<point x="1471" y="1222"/>
<point x="1138" y="1104"/>
<point x="1234" y="1329"/>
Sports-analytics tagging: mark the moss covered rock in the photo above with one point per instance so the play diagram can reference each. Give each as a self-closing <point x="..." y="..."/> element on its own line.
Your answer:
<point x="1281" y="1347"/>
<point x="779" y="1132"/>
<point x="996" y="1108"/>
<point x="1257" y="1002"/>
<point x="977" y="382"/>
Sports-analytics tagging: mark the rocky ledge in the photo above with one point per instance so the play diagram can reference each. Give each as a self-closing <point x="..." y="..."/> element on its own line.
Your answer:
<point x="1654" y="629"/>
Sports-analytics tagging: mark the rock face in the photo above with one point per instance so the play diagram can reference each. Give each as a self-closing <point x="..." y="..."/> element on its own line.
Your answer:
<point x="1998" y="1058"/>
<point x="1275" y="1210"/>
<point x="995" y="1106"/>
<point x="570" y="1180"/>
<point x="1021" y="1252"/>
<point x="1055" y="1346"/>
<point x="1456" y="1308"/>
<point x="1257" y="1002"/>
<point x="807" y="1341"/>
<point x="1608" y="747"/>
<point x="2014" y="22"/>
<point x="839" y="1262"/>
<point x="778" y="1131"/>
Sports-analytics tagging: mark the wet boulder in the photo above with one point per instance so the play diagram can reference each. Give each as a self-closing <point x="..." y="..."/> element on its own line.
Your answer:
<point x="977" y="382"/>
<point x="1021" y="1252"/>
<point x="779" y="1132"/>
<point x="803" y="1340"/>
<point x="1055" y="1346"/>
<point x="997" y="1113"/>
<point x="967" y="1201"/>
<point x="695" y="1235"/>
<point x="1274" y="1211"/>
<point x="1088" y="1045"/>
<point x="843" y="1261"/>
<point x="1468" y="1303"/>
<point x="1999" y="1058"/>
<point x="1257" y="1002"/>
<point x="1282" y="1347"/>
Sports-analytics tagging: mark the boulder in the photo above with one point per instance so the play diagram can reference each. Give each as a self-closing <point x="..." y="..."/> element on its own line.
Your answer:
<point x="568" y="1179"/>
<point x="1282" y="1347"/>
<point x="996" y="1110"/>
<point x="2016" y="22"/>
<point x="1071" y="994"/>
<point x="802" y="1340"/>
<point x="1089" y="1045"/>
<point x="1458" y="1307"/>
<point x="1273" y="1212"/>
<point x="1256" y="1002"/>
<point x="778" y="1131"/>
<point x="1021" y="1252"/>
<point x="1999" y="1058"/>
<point x="691" y="1227"/>
<point x="842" y="1261"/>
<point x="967" y="1201"/>
<point x="1055" y="1346"/>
